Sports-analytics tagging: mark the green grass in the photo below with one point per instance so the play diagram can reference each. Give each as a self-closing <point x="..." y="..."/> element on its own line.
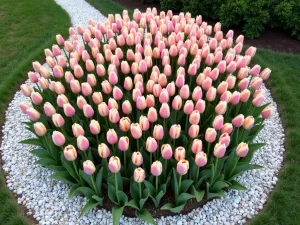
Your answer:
<point x="27" y="28"/>
<point x="283" y="205"/>
<point x="108" y="7"/>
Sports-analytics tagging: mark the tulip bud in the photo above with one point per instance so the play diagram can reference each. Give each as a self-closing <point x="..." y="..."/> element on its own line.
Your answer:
<point x="106" y="87"/>
<point x="62" y="100"/>
<point x="194" y="117"/>
<point x="58" y="138"/>
<point x="193" y="131"/>
<point x="184" y="92"/>
<point x="89" y="167"/>
<point x="238" y="121"/>
<point x="158" y="132"/>
<point x="156" y="168"/>
<point x="24" y="106"/>
<point x="267" y="112"/>
<point x="152" y="115"/>
<point x="248" y="122"/>
<point x="188" y="107"/>
<point x="111" y="136"/>
<point x="227" y="128"/>
<point x="26" y="90"/>
<point x="139" y="175"/>
<point x="182" y="167"/>
<point x="58" y="120"/>
<point x="114" y="164"/>
<point x="177" y="103"/>
<point x="150" y="101"/>
<point x="36" y="98"/>
<point x="144" y="123"/>
<point x="39" y="129"/>
<point x="135" y="130"/>
<point x="88" y="111"/>
<point x="49" y="109"/>
<point x="123" y="144"/>
<point x="86" y="89"/>
<point x="137" y="158"/>
<point x="219" y="150"/>
<point x="78" y="72"/>
<point x="245" y="94"/>
<point x="174" y="131"/>
<point x="210" y="135"/>
<point x="197" y="146"/>
<point x="200" y="105"/>
<point x="265" y="74"/>
<point x="258" y="100"/>
<point x="255" y="70"/>
<point x="164" y="111"/>
<point x="211" y="94"/>
<point x="242" y="149"/>
<point x="151" y="144"/>
<point x="225" y="139"/>
<point x="166" y="151"/>
<point x="218" y="122"/>
<point x="70" y="153"/>
<point x="103" y="151"/>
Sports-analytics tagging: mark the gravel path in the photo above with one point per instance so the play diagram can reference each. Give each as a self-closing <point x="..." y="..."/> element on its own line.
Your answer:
<point x="47" y="200"/>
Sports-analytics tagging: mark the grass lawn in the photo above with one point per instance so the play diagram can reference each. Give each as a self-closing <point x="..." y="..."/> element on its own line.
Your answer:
<point x="27" y="28"/>
<point x="283" y="206"/>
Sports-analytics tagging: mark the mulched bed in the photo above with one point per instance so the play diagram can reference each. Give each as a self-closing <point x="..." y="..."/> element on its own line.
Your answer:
<point x="276" y="40"/>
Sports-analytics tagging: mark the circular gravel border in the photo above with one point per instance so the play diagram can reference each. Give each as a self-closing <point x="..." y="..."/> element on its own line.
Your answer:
<point x="47" y="200"/>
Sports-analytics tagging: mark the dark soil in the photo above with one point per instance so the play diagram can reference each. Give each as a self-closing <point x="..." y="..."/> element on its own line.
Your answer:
<point x="156" y="212"/>
<point x="276" y="40"/>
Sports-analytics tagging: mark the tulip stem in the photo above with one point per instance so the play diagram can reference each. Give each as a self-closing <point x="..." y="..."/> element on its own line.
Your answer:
<point x="85" y="155"/>
<point x="175" y="117"/>
<point x="93" y="183"/>
<point x="151" y="158"/>
<point x="208" y="148"/>
<point x="137" y="145"/>
<point x="140" y="190"/>
<point x="165" y="169"/>
<point x="164" y="124"/>
<point x="186" y="123"/>
<point x="116" y="186"/>
<point x="197" y="174"/>
<point x="125" y="164"/>
<point x="156" y="185"/>
<point x="178" y="190"/>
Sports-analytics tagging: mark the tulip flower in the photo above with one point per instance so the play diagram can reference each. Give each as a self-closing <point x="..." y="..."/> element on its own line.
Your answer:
<point x="166" y="151"/>
<point x="210" y="135"/>
<point x="238" y="121"/>
<point x="111" y="136"/>
<point x="24" y="106"/>
<point x="156" y="168"/>
<point x="139" y="175"/>
<point x="39" y="129"/>
<point x="58" y="138"/>
<point x="114" y="164"/>
<point x="201" y="159"/>
<point x="89" y="167"/>
<point x="137" y="158"/>
<point x="219" y="150"/>
<point x="158" y="132"/>
<point x="182" y="167"/>
<point x="70" y="153"/>
<point x="103" y="151"/>
<point x="267" y="112"/>
<point x="82" y="143"/>
<point x="248" y="122"/>
<point x="242" y="149"/>
<point x="123" y="144"/>
<point x="224" y="139"/>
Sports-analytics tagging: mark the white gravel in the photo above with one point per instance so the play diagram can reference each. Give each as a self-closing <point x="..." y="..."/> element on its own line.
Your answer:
<point x="47" y="200"/>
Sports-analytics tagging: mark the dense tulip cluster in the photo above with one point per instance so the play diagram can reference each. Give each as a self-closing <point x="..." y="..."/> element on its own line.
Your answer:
<point x="158" y="102"/>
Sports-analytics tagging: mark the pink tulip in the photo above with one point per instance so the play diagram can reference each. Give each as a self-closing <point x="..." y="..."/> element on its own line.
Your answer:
<point x="151" y="144"/>
<point x="182" y="167"/>
<point x="242" y="149"/>
<point x="141" y="102"/>
<point x="243" y="84"/>
<point x="164" y="111"/>
<point x="111" y="136"/>
<point x="221" y="108"/>
<point x="152" y="115"/>
<point x="218" y="122"/>
<point x="95" y="127"/>
<point x="188" y="107"/>
<point x="174" y="131"/>
<point x="177" y="103"/>
<point x="128" y="85"/>
<point x="61" y="100"/>
<point x="238" y="120"/>
<point x="180" y="81"/>
<point x="58" y="120"/>
<point x="103" y="109"/>
<point x="156" y="168"/>
<point x="235" y="98"/>
<point x="144" y="123"/>
<point x="197" y="146"/>
<point x="210" y="135"/>
<point x="222" y="66"/>
<point x="192" y="70"/>
<point x="43" y="83"/>
<point x="26" y="90"/>
<point x="78" y="72"/>
<point x="227" y="128"/>
<point x="36" y="98"/>
<point x="194" y="117"/>
<point x="82" y="143"/>
<point x="77" y="130"/>
<point x="255" y="70"/>
<point x="69" y="110"/>
<point x="245" y="94"/>
<point x="219" y="150"/>
<point x="103" y="151"/>
<point x="256" y="83"/>
<point x="88" y="111"/>
<point x="100" y="69"/>
<point x="58" y="138"/>
<point x="39" y="129"/>
<point x="126" y="107"/>
<point x="75" y="86"/>
<point x="49" y="109"/>
<point x="150" y="101"/>
<point x="89" y="167"/>
<point x="265" y="74"/>
<point x="197" y="93"/>
<point x="223" y="86"/>
<point x="258" y="100"/>
<point x="200" y="105"/>
<point x="248" y="122"/>
<point x="136" y="130"/>
<point x="139" y="175"/>
<point x="137" y="158"/>
<point x="164" y="96"/>
<point x="70" y="153"/>
<point x="33" y="77"/>
<point x="123" y="144"/>
<point x="91" y="80"/>
<point x="200" y="159"/>
<point x="24" y="106"/>
<point x="193" y="131"/>
<point x="166" y="151"/>
<point x="267" y="112"/>
<point x="211" y="94"/>
<point x="243" y="73"/>
<point x="124" y="124"/>
<point x="184" y="92"/>
<point x="231" y="81"/>
<point x="97" y="98"/>
<point x="158" y="132"/>
<point x="114" y="116"/>
<point x="114" y="164"/>
<point x="36" y="66"/>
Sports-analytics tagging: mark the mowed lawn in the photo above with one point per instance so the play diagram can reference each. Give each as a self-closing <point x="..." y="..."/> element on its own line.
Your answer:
<point x="27" y="28"/>
<point x="283" y="205"/>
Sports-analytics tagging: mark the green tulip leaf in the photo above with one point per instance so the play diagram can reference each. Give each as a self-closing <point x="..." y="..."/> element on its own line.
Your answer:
<point x="98" y="182"/>
<point x="40" y="153"/>
<point x="146" y="216"/>
<point x="123" y="198"/>
<point x="185" y="185"/>
<point x="112" y="194"/>
<point x="63" y="176"/>
<point x="198" y="194"/>
<point x="73" y="191"/>
<point x="236" y="185"/>
<point x="32" y="141"/>
<point x="92" y="203"/>
<point x="182" y="198"/>
<point x="117" y="212"/>
<point x="132" y="203"/>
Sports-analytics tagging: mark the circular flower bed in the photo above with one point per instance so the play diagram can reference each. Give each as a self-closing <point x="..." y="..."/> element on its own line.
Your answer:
<point x="143" y="109"/>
